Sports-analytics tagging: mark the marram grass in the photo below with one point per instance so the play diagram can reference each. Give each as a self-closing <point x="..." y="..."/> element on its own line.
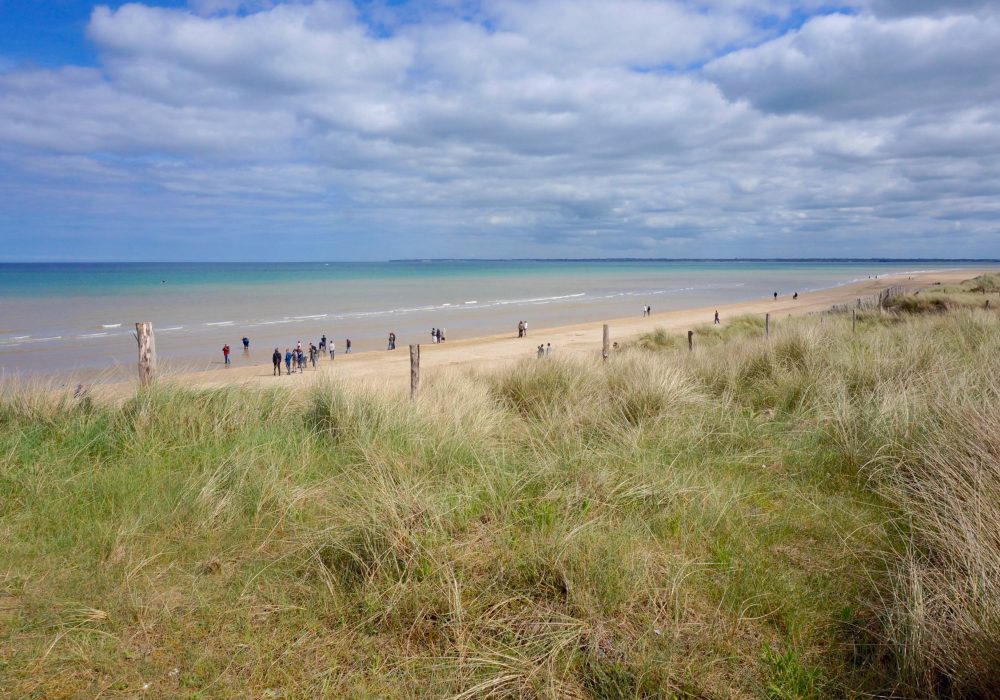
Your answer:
<point x="811" y="515"/>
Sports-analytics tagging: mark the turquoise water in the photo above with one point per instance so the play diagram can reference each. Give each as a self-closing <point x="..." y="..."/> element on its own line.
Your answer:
<point x="58" y="317"/>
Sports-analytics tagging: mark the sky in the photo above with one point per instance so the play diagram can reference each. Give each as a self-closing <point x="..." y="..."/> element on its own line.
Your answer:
<point x="334" y="130"/>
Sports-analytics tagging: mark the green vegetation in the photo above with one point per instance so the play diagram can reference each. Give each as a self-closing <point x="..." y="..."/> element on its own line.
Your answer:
<point x="811" y="515"/>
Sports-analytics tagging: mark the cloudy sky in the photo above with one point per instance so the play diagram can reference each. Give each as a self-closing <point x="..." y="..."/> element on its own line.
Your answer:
<point x="337" y="130"/>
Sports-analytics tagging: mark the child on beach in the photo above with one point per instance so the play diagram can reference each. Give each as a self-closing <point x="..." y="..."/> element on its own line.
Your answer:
<point x="276" y="359"/>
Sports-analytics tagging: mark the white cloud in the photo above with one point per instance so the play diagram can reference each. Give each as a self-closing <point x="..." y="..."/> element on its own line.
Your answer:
<point x="513" y="128"/>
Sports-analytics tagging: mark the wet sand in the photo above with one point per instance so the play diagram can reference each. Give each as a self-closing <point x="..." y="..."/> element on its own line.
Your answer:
<point x="392" y="369"/>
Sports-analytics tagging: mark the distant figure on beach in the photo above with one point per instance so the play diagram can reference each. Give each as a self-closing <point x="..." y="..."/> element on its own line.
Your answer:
<point x="525" y="324"/>
<point x="276" y="360"/>
<point x="313" y="352"/>
<point x="434" y="335"/>
<point x="298" y="347"/>
<point x="322" y="343"/>
<point x="225" y="353"/>
<point x="548" y="349"/>
<point x="288" y="361"/>
<point x="347" y="346"/>
<point x="541" y="350"/>
<point x="776" y="295"/>
<point x="440" y="335"/>
<point x="717" y="322"/>
<point x="246" y="344"/>
<point x="392" y="341"/>
<point x="520" y="329"/>
<point x="795" y="296"/>
<point x="302" y="361"/>
<point x="333" y="348"/>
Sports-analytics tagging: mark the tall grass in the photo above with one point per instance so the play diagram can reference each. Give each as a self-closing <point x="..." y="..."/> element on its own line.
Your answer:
<point x="808" y="515"/>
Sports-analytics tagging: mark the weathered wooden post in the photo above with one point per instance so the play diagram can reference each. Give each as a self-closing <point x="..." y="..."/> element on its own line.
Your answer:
<point x="147" y="353"/>
<point x="767" y="325"/>
<point x="606" y="344"/>
<point x="854" y="320"/>
<point x="414" y="370"/>
<point x="690" y="341"/>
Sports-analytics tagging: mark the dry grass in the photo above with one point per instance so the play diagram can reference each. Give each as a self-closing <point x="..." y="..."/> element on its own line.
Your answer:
<point x="805" y="516"/>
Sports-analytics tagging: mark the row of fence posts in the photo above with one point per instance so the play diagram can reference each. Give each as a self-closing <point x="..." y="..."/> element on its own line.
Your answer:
<point x="147" y="346"/>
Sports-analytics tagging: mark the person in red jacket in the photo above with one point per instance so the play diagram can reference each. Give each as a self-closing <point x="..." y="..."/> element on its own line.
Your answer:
<point x="225" y="353"/>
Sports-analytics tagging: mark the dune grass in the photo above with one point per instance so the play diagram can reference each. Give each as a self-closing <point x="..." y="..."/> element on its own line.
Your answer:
<point x="810" y="515"/>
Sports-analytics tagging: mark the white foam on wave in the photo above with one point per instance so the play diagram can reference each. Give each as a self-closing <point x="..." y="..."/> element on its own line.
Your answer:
<point x="173" y="328"/>
<point x="303" y="318"/>
<point x="93" y="335"/>
<point x="472" y="302"/>
<point x="111" y="325"/>
<point x="220" y="323"/>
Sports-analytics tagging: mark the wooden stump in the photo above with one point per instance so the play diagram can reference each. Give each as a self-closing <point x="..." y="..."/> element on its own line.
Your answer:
<point x="414" y="370"/>
<point x="606" y="343"/>
<point x="147" y="353"/>
<point x="690" y="341"/>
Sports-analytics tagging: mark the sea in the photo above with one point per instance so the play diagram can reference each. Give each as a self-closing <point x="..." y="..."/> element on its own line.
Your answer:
<point x="80" y="317"/>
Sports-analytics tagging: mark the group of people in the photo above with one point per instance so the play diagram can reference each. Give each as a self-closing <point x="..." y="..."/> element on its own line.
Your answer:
<point x="293" y="358"/>
<point x="647" y="310"/>
<point x="437" y="335"/>
<point x="544" y="350"/>
<point x="522" y="329"/>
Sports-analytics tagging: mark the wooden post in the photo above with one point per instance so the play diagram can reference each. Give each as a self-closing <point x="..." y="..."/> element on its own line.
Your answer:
<point x="690" y="341"/>
<point x="147" y="353"/>
<point x="606" y="344"/>
<point x="414" y="370"/>
<point x="767" y="325"/>
<point x="854" y="320"/>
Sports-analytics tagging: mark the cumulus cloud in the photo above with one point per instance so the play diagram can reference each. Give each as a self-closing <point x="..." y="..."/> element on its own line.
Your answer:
<point x="503" y="127"/>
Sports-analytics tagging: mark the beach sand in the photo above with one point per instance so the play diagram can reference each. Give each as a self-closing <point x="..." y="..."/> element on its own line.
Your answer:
<point x="391" y="369"/>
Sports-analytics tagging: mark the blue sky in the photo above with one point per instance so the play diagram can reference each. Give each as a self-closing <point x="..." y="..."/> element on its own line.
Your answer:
<point x="228" y="130"/>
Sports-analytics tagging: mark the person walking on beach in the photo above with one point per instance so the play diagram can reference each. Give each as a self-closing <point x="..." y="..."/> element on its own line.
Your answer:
<point x="347" y="346"/>
<point x="717" y="317"/>
<point x="302" y="361"/>
<point x="322" y="344"/>
<point x="525" y="324"/>
<point x="333" y="349"/>
<point x="434" y="335"/>
<point x="225" y="353"/>
<point x="288" y="361"/>
<point x="313" y="352"/>
<point x="775" y="296"/>
<point x="276" y="361"/>
<point x="541" y="350"/>
<point x="440" y="335"/>
<point x="548" y="349"/>
<point x="392" y="341"/>
<point x="246" y="344"/>
<point x="795" y="296"/>
<point x="520" y="329"/>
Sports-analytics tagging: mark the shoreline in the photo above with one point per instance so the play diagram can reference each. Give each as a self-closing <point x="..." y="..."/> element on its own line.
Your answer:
<point x="390" y="369"/>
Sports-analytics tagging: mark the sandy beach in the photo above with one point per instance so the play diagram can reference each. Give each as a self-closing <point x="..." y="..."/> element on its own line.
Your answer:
<point x="391" y="369"/>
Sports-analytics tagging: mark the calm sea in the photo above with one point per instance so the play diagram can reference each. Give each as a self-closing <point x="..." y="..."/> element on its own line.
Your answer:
<point x="58" y="317"/>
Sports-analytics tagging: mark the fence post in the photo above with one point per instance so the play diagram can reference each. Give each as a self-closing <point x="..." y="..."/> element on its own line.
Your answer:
<point x="854" y="320"/>
<point x="606" y="343"/>
<point x="690" y="341"/>
<point x="147" y="353"/>
<point x="414" y="370"/>
<point x="767" y="325"/>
